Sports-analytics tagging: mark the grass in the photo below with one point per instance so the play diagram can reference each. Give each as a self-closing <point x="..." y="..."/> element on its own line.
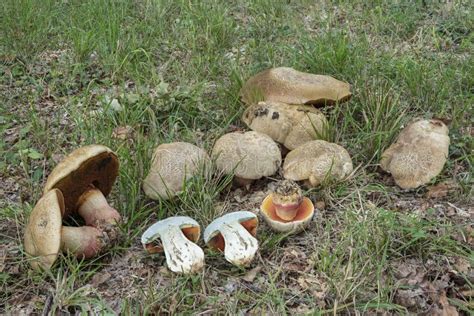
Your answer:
<point x="176" y="68"/>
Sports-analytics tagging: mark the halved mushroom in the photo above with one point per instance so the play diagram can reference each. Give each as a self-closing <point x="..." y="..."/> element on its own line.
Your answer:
<point x="286" y="209"/>
<point x="419" y="153"/>
<point x="172" y="165"/>
<point x="250" y="155"/>
<point x="45" y="236"/>
<point x="316" y="161"/>
<point x="234" y="234"/>
<point x="290" y="86"/>
<point x="177" y="236"/>
<point x="291" y="125"/>
<point x="85" y="177"/>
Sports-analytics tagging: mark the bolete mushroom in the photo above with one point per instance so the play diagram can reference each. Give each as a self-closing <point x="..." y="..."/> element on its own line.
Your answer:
<point x="286" y="209"/>
<point x="419" y="153"/>
<point x="287" y="85"/>
<point x="316" y="161"/>
<point x="177" y="236"/>
<point x="173" y="164"/>
<point x="85" y="177"/>
<point x="234" y="234"/>
<point x="249" y="156"/>
<point x="290" y="125"/>
<point x="45" y="235"/>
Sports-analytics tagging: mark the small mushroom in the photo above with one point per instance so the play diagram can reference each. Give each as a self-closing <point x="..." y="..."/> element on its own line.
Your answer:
<point x="249" y="156"/>
<point x="316" y="161"/>
<point x="178" y="235"/>
<point x="291" y="125"/>
<point x="234" y="234"/>
<point x="286" y="209"/>
<point x="45" y="236"/>
<point x="85" y="177"/>
<point x="172" y="165"/>
<point x="290" y="86"/>
<point x="419" y="153"/>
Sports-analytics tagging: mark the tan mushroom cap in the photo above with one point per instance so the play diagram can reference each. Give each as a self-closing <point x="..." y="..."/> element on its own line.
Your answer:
<point x="419" y="153"/>
<point x="297" y="224"/>
<point x="250" y="155"/>
<point x="288" y="85"/>
<point x="290" y="125"/>
<point x="317" y="161"/>
<point x="43" y="231"/>
<point x="89" y="165"/>
<point x="172" y="165"/>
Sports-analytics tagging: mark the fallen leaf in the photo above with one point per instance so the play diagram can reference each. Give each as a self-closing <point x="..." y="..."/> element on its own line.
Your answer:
<point x="441" y="189"/>
<point x="123" y="132"/>
<point x="252" y="274"/>
<point x="448" y="309"/>
<point x="100" y="278"/>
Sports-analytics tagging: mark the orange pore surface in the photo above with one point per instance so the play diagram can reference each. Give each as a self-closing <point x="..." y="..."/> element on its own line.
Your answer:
<point x="218" y="242"/>
<point x="306" y="208"/>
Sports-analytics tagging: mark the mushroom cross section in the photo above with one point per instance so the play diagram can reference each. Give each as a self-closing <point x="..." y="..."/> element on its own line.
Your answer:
<point x="178" y="235"/>
<point x="234" y="234"/>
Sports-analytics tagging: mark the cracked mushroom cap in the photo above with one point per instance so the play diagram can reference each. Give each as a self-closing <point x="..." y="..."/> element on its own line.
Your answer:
<point x="95" y="165"/>
<point x="250" y="155"/>
<point x="290" y="86"/>
<point x="172" y="165"/>
<point x="43" y="231"/>
<point x="419" y="153"/>
<point x="317" y="161"/>
<point x="290" y="125"/>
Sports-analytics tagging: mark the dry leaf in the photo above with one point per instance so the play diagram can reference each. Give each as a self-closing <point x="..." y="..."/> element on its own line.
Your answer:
<point x="123" y="132"/>
<point x="100" y="278"/>
<point x="252" y="274"/>
<point x="441" y="189"/>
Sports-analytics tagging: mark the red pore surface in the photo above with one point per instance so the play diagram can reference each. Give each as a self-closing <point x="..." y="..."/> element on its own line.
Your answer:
<point x="305" y="210"/>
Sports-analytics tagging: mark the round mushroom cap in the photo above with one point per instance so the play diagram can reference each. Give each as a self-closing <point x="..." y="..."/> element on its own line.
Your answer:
<point x="95" y="165"/>
<point x="290" y="86"/>
<point x="188" y="226"/>
<point x="43" y="231"/>
<point x="212" y="235"/>
<point x="419" y="153"/>
<point x="296" y="225"/>
<point x="317" y="161"/>
<point x="172" y="165"/>
<point x="291" y="125"/>
<point x="250" y="155"/>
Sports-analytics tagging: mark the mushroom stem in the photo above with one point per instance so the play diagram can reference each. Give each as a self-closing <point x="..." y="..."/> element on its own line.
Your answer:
<point x="95" y="210"/>
<point x="84" y="242"/>
<point x="182" y="255"/>
<point x="241" y="182"/>
<point x="241" y="246"/>
<point x="287" y="211"/>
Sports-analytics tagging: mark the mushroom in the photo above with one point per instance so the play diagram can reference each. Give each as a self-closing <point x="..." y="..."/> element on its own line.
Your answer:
<point x="85" y="177"/>
<point x="419" y="153"/>
<point x="178" y="235"/>
<point x="249" y="156"/>
<point x="286" y="209"/>
<point x="291" y="125"/>
<point x="45" y="236"/>
<point x="234" y="234"/>
<point x="172" y="165"/>
<point x="290" y="86"/>
<point x="317" y="161"/>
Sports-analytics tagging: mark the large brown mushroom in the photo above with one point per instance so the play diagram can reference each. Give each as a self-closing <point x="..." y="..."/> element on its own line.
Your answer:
<point x="290" y="86"/>
<point x="249" y="156"/>
<point x="85" y="177"/>
<point x="172" y="165"/>
<point x="419" y="153"/>
<point x="45" y="236"/>
<point x="290" y="125"/>
<point x="317" y="161"/>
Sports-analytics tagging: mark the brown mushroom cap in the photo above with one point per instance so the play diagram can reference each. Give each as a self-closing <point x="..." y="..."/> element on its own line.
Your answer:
<point x="290" y="86"/>
<point x="250" y="155"/>
<point x="43" y="231"/>
<point x="316" y="161"/>
<point x="291" y="125"/>
<point x="297" y="224"/>
<point x="419" y="153"/>
<point x="90" y="165"/>
<point x="172" y="165"/>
